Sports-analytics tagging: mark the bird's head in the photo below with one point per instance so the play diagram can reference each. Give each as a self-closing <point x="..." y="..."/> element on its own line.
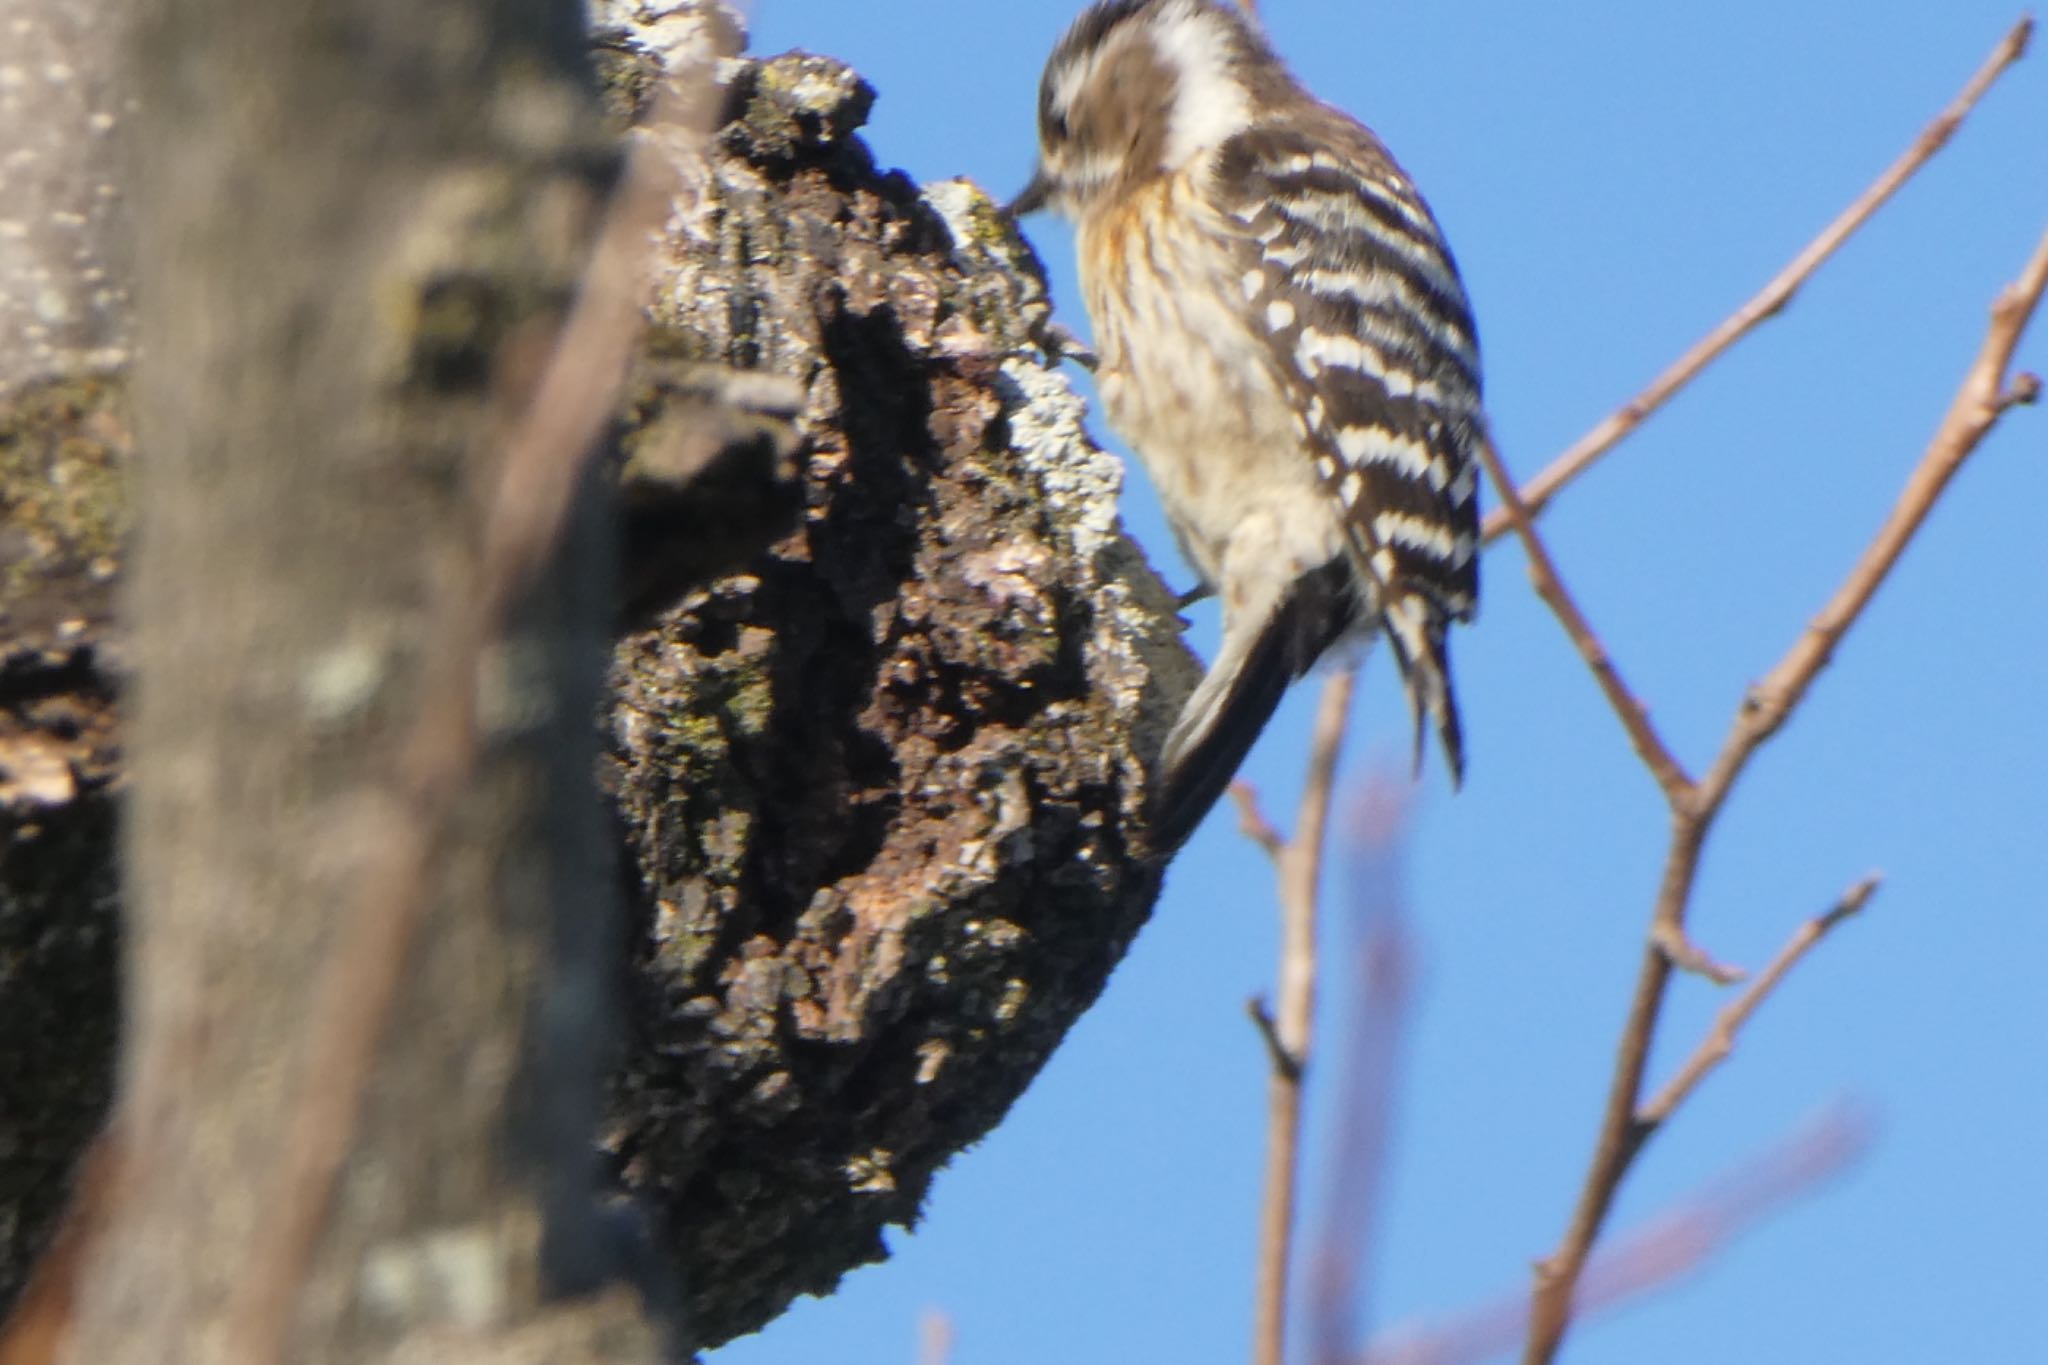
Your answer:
<point x="1139" y="89"/>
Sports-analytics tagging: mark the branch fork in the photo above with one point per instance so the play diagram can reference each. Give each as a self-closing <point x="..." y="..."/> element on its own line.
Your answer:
<point x="1985" y="394"/>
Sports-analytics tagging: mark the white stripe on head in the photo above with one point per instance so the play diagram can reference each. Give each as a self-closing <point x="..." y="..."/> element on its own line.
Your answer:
<point x="1210" y="103"/>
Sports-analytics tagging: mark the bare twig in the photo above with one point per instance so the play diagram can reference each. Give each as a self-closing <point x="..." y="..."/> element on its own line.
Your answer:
<point x="1654" y="1256"/>
<point x="1984" y="396"/>
<point x="1277" y="1055"/>
<point x="1627" y="1125"/>
<point x="1299" y="861"/>
<point x="1252" y="822"/>
<point x="546" y="449"/>
<point x="1303" y="869"/>
<point x="1720" y="1040"/>
<point x="935" y="1338"/>
<point x="1773" y="298"/>
<point x="1635" y="717"/>
<point x="1341" y="1275"/>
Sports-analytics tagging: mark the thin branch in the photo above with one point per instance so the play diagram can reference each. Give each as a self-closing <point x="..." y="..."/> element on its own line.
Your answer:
<point x="1653" y="1257"/>
<point x="935" y="1338"/>
<point x="1341" y="1276"/>
<point x="1635" y="717"/>
<point x="1719" y="1043"/>
<point x="546" y="449"/>
<point x="1300" y="862"/>
<point x="1269" y="1033"/>
<point x="1252" y="822"/>
<point x="1774" y="296"/>
<point x="2024" y="392"/>
<point x="1984" y="396"/>
<point x="1299" y="880"/>
<point x="1683" y="1240"/>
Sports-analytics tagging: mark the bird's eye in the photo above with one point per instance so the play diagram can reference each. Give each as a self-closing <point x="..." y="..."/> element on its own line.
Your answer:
<point x="1059" y="127"/>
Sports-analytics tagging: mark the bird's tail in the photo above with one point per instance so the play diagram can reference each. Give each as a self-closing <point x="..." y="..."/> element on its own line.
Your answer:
<point x="1238" y="696"/>
<point x="1415" y="633"/>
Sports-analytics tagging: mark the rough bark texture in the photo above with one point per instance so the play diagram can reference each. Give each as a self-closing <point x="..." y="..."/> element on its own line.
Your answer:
<point x="877" y="793"/>
<point x="881" y="788"/>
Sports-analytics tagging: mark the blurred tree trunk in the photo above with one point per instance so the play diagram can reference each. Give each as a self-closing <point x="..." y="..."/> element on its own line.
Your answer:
<point x="347" y="215"/>
<point x="875" y="793"/>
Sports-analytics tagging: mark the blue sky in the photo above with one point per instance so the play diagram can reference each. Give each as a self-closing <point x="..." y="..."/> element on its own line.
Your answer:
<point x="1615" y="179"/>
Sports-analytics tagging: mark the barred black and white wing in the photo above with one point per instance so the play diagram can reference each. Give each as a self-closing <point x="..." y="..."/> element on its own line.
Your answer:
<point x="1347" y="272"/>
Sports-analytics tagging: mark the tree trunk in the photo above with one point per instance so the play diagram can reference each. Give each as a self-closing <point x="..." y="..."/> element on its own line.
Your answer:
<point x="348" y="217"/>
<point x="875" y="792"/>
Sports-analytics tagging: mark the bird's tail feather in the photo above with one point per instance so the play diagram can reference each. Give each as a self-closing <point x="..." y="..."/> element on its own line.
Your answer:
<point x="1238" y="696"/>
<point x="1415" y="633"/>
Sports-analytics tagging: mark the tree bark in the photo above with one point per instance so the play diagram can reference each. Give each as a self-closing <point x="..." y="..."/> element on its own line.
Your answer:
<point x="875" y="792"/>
<point x="348" y="216"/>
<point x="64" y="306"/>
<point x="881" y="789"/>
<point x="63" y="521"/>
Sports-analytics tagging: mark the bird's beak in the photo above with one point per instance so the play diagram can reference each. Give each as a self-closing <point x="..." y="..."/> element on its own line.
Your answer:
<point x="1034" y="195"/>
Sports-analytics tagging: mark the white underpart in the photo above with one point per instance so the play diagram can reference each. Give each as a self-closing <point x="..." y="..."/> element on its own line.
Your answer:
<point x="1210" y="105"/>
<point x="1195" y="388"/>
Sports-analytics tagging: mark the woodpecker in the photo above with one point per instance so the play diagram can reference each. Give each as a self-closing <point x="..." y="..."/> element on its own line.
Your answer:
<point x="1286" y="346"/>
